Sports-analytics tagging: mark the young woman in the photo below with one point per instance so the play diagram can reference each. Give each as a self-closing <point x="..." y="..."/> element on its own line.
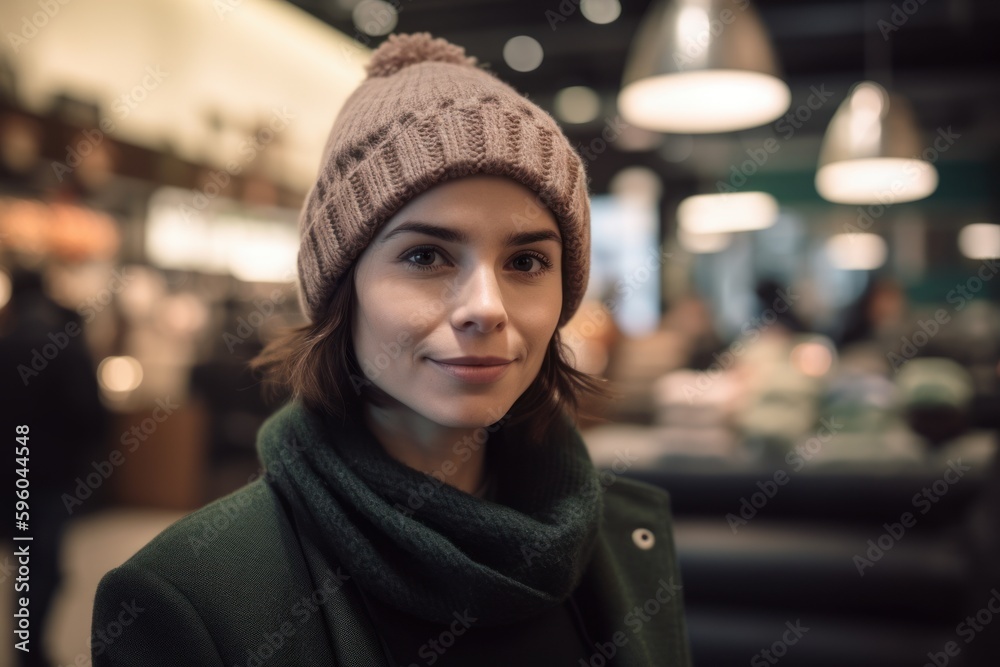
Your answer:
<point x="427" y="498"/>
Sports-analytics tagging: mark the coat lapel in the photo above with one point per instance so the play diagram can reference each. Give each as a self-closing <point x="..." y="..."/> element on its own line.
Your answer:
<point x="631" y="593"/>
<point x="349" y="632"/>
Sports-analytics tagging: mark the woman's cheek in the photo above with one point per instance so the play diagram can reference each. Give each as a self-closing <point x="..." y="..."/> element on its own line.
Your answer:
<point x="541" y="311"/>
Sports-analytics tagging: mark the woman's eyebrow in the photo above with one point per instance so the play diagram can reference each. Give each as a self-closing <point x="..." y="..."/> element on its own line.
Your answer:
<point x="443" y="233"/>
<point x="457" y="236"/>
<point x="525" y="238"/>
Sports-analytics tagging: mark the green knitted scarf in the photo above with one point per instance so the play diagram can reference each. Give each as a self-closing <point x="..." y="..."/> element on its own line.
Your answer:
<point x="425" y="547"/>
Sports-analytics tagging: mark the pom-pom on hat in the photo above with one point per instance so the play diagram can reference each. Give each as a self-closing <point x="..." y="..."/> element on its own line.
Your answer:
<point x="402" y="50"/>
<point x="425" y="114"/>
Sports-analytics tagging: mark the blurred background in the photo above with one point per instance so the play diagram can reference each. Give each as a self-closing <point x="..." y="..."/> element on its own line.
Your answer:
<point x="796" y="227"/>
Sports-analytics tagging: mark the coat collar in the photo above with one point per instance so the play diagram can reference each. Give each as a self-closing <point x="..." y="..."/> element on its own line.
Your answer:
<point x="630" y="596"/>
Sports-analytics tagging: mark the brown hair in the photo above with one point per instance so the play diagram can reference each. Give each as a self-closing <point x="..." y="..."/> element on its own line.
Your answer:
<point x="316" y="363"/>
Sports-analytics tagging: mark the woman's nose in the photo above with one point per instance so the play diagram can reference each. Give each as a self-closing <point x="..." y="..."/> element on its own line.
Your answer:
<point x="479" y="302"/>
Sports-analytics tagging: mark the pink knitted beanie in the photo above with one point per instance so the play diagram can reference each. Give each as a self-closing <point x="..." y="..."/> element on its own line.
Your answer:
<point x="425" y="114"/>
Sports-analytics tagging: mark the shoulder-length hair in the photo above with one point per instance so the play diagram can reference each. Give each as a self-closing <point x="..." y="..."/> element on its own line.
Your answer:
<point x="316" y="363"/>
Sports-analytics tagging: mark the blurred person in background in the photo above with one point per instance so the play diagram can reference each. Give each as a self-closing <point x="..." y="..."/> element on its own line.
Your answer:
<point x="233" y="416"/>
<point x="691" y="318"/>
<point x="427" y="481"/>
<point x="772" y="297"/>
<point x="21" y="167"/>
<point x="876" y="316"/>
<point x="49" y="384"/>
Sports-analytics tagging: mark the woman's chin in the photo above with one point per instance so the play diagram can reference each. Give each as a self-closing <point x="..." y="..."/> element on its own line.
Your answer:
<point x="474" y="415"/>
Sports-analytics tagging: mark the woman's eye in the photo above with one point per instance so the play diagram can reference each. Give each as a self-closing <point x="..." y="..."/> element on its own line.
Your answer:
<point x="532" y="263"/>
<point x="423" y="257"/>
<point x="426" y="259"/>
<point x="527" y="263"/>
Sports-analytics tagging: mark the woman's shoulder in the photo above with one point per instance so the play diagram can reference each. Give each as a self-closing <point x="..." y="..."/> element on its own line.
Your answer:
<point x="237" y="526"/>
<point x="626" y="496"/>
<point x="230" y="544"/>
<point x="237" y="557"/>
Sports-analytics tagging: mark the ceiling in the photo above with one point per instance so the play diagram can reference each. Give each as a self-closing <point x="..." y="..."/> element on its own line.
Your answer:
<point x="944" y="58"/>
<point x="175" y="77"/>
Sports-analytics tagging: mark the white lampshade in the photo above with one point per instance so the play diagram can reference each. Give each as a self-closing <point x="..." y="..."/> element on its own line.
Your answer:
<point x="980" y="240"/>
<point x="856" y="252"/>
<point x="870" y="153"/>
<point x="701" y="66"/>
<point x="701" y="244"/>
<point x="727" y="212"/>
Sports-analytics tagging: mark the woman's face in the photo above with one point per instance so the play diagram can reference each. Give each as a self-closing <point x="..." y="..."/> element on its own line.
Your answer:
<point x="469" y="268"/>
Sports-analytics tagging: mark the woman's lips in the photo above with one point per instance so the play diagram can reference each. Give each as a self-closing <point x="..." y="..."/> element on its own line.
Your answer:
<point x="474" y="374"/>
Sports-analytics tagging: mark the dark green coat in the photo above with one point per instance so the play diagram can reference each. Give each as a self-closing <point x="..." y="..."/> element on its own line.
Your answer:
<point x="234" y="580"/>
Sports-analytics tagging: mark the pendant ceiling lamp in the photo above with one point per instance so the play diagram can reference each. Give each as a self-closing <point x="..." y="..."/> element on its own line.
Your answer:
<point x="720" y="213"/>
<point x="870" y="151"/>
<point x="699" y="66"/>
